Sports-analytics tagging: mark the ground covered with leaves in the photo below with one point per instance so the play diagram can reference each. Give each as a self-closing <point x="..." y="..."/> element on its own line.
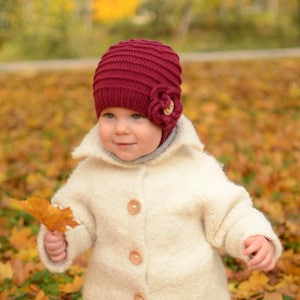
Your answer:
<point x="248" y="115"/>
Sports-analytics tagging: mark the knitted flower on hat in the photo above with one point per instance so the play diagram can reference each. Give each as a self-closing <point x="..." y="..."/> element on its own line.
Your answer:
<point x="141" y="75"/>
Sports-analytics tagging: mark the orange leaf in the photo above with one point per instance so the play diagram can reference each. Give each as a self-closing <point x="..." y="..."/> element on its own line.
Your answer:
<point x="4" y="295"/>
<point x="41" y="296"/>
<point x="54" y="218"/>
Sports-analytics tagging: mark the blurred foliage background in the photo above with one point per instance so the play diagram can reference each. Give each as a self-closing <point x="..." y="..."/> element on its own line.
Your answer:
<point x="45" y="29"/>
<point x="259" y="101"/>
<point x="247" y="113"/>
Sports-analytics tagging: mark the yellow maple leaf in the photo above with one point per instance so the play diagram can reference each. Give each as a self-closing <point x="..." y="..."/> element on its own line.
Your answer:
<point x="72" y="287"/>
<point x="256" y="282"/>
<point x="6" y="270"/>
<point x="54" y="218"/>
<point x="21" y="238"/>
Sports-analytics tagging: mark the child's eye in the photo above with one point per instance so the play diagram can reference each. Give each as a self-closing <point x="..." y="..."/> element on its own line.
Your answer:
<point x="107" y="115"/>
<point x="137" y="116"/>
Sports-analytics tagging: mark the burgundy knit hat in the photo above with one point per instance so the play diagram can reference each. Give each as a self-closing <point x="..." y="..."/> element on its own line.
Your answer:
<point x="144" y="76"/>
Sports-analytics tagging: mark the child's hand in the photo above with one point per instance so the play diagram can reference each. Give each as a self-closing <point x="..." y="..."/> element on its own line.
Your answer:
<point x="55" y="246"/>
<point x="261" y="253"/>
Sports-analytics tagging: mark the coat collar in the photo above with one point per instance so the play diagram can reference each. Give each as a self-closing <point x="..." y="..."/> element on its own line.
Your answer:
<point x="186" y="136"/>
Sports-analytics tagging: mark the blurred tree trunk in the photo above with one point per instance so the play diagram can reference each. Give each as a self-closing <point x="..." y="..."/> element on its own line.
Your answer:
<point x="298" y="17"/>
<point x="273" y="6"/>
<point x="82" y="12"/>
<point x="186" y="21"/>
<point x="28" y="9"/>
<point x="11" y="19"/>
<point x="88" y="14"/>
<point x="239" y="7"/>
<point x="223" y="9"/>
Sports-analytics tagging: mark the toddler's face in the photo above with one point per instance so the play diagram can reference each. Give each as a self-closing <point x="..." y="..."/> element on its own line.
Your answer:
<point x="128" y="134"/>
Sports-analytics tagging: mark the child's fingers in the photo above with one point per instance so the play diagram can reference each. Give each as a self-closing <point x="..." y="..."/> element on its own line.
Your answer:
<point x="56" y="251"/>
<point x="52" y="246"/>
<point x="55" y="246"/>
<point x="53" y="237"/>
<point x="251" y="249"/>
<point x="263" y="260"/>
<point x="264" y="266"/>
<point x="59" y="257"/>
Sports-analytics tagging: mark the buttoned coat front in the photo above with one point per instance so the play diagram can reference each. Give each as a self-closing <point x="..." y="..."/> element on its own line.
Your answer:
<point x="154" y="227"/>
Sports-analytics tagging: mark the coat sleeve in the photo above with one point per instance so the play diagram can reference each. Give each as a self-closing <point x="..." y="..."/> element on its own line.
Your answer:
<point x="229" y="216"/>
<point x="79" y="238"/>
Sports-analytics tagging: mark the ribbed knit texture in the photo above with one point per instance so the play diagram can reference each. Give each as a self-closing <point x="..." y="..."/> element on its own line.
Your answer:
<point x="140" y="75"/>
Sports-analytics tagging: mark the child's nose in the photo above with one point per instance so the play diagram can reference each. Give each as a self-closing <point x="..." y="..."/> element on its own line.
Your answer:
<point x="121" y="127"/>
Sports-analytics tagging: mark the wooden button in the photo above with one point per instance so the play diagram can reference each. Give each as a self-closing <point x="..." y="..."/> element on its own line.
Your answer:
<point x="139" y="297"/>
<point x="169" y="109"/>
<point x="134" y="207"/>
<point x="135" y="257"/>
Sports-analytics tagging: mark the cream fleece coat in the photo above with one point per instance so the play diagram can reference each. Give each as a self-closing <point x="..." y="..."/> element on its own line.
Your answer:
<point x="162" y="246"/>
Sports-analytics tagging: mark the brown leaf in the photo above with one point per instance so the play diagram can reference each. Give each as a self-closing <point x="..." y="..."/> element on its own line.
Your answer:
<point x="23" y="271"/>
<point x="272" y="296"/>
